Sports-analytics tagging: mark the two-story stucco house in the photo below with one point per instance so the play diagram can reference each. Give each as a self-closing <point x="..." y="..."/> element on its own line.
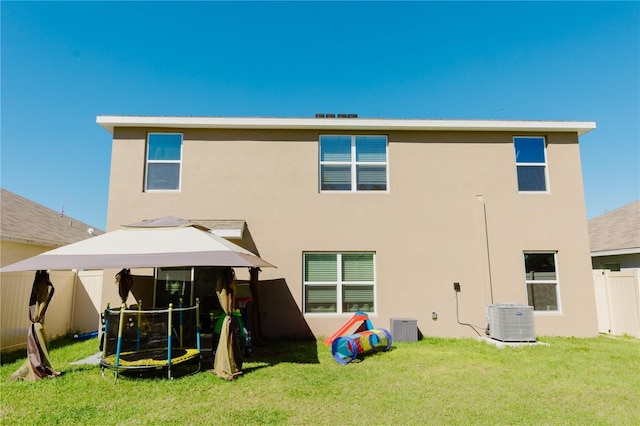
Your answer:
<point x="374" y="215"/>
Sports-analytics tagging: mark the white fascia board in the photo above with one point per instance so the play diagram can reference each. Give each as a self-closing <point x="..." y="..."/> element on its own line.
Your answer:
<point x="110" y="122"/>
<point x="617" y="252"/>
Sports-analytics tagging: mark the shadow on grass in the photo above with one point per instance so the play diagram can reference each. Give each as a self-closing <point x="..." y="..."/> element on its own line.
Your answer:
<point x="12" y="356"/>
<point x="21" y="354"/>
<point x="292" y="351"/>
<point x="273" y="353"/>
<point x="277" y="352"/>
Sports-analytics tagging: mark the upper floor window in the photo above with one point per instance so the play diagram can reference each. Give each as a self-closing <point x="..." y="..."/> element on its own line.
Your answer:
<point x="353" y="163"/>
<point x="531" y="163"/>
<point x="164" y="157"/>
<point x="541" y="278"/>
<point x="339" y="282"/>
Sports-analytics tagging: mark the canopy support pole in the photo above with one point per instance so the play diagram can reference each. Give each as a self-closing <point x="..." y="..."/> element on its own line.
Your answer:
<point x="256" y="321"/>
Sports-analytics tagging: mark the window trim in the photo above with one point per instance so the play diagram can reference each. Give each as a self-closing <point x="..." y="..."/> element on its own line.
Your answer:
<point x="353" y="163"/>
<point x="545" y="164"/>
<point x="555" y="282"/>
<point x="147" y="162"/>
<point x="338" y="283"/>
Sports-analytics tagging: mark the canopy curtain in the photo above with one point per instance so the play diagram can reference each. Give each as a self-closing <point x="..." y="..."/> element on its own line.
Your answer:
<point x="228" y="361"/>
<point x="38" y="364"/>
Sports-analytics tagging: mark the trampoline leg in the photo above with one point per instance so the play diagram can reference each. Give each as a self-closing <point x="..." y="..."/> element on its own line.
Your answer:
<point x="115" y="374"/>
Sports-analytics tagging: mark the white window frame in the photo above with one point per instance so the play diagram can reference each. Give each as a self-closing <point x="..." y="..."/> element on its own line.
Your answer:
<point x="353" y="165"/>
<point x="526" y="164"/>
<point x="338" y="283"/>
<point x="148" y="161"/>
<point x="555" y="282"/>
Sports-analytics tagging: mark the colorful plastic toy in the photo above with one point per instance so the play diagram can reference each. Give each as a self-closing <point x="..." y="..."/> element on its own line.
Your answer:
<point x="346" y="348"/>
<point x="244" y="338"/>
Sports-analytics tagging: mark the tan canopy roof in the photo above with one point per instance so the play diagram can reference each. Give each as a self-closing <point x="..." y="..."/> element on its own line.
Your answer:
<point x="167" y="241"/>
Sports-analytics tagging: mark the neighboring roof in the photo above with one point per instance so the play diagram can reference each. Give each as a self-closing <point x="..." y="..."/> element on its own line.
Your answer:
<point x="616" y="232"/>
<point x="24" y="221"/>
<point x="110" y="122"/>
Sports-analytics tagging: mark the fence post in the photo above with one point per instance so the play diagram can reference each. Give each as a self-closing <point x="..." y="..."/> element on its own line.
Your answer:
<point x="607" y="287"/>
<point x="636" y="279"/>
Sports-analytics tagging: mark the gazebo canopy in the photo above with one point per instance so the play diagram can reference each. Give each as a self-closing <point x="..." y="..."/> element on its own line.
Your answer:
<point x="163" y="242"/>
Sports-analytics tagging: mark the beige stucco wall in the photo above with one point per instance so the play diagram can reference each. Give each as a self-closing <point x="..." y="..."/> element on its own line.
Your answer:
<point x="428" y="230"/>
<point x="12" y="251"/>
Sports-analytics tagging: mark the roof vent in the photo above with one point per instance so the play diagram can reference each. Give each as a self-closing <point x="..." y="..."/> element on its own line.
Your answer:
<point x="331" y="115"/>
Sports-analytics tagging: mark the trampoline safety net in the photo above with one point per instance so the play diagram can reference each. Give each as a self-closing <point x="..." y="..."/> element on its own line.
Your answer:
<point x="151" y="340"/>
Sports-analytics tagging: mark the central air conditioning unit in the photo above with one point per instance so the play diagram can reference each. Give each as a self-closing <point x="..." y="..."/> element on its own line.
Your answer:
<point x="510" y="322"/>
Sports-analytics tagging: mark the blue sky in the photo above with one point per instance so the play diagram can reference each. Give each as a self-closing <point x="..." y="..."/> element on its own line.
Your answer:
<point x="64" y="63"/>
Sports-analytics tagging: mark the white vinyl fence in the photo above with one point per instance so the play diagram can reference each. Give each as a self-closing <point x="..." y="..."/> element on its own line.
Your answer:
<point x="618" y="301"/>
<point x="87" y="297"/>
<point x="73" y="307"/>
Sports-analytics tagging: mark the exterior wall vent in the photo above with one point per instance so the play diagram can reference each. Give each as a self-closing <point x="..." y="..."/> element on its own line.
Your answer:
<point x="509" y="322"/>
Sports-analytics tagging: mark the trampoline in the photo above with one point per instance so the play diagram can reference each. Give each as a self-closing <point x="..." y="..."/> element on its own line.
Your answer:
<point x="148" y="343"/>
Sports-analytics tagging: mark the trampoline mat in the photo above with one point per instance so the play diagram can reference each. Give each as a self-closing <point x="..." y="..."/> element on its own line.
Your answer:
<point x="153" y="357"/>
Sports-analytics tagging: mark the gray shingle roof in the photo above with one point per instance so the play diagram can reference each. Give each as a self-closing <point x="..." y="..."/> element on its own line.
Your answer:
<point x="24" y="221"/>
<point x="616" y="230"/>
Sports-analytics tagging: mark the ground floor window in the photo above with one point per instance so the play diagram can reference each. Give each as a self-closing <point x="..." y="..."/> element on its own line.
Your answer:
<point x="339" y="282"/>
<point x="541" y="278"/>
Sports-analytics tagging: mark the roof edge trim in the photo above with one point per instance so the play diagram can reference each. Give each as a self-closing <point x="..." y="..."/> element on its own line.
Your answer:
<point x="615" y="252"/>
<point x="110" y="122"/>
<point x="32" y="241"/>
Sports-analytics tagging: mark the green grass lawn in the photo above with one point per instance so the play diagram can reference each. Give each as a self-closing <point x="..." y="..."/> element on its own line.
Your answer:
<point x="434" y="381"/>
